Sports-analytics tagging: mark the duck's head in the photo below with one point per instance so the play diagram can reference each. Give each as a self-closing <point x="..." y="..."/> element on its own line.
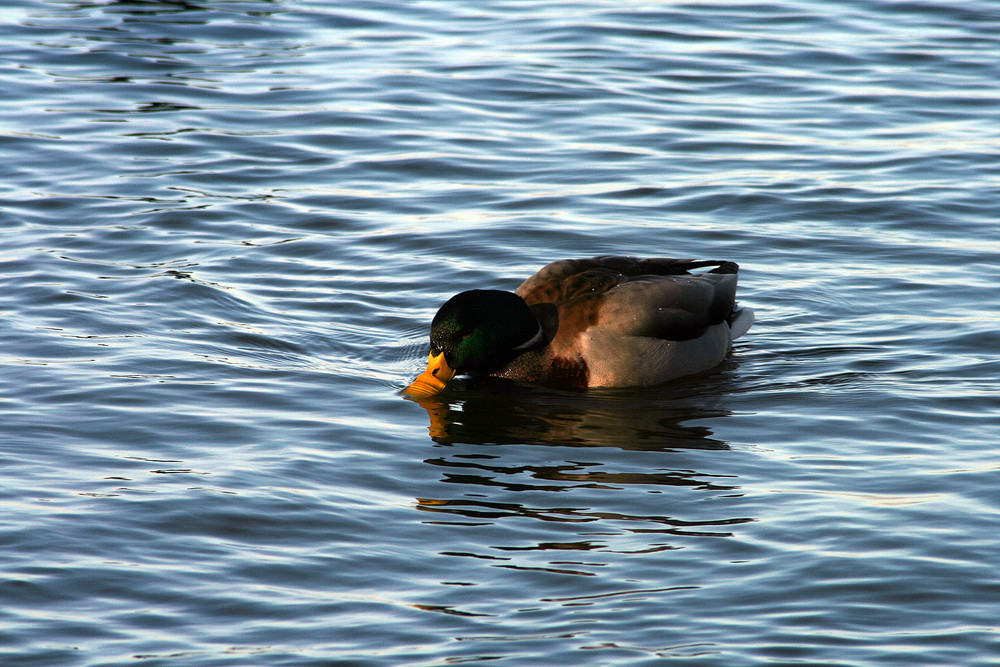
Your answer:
<point x="475" y="333"/>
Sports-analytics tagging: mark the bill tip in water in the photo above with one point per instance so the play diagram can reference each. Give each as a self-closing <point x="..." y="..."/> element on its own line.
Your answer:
<point x="421" y="389"/>
<point x="432" y="380"/>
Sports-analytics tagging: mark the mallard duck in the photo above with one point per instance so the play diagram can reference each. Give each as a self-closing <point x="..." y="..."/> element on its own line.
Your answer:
<point x="599" y="322"/>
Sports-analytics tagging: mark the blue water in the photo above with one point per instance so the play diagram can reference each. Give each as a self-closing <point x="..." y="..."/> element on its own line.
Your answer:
<point x="226" y="226"/>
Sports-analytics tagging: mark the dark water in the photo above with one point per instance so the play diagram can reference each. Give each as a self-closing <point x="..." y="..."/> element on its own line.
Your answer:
<point x="226" y="225"/>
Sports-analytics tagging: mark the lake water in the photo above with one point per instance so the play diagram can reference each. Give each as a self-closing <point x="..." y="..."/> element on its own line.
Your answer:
<point x="227" y="225"/>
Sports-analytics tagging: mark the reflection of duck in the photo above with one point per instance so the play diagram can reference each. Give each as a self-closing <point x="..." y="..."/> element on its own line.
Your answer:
<point x="601" y="322"/>
<point x="498" y="412"/>
<point x="538" y="478"/>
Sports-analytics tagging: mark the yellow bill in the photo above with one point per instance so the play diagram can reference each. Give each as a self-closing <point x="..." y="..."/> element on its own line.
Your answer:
<point x="432" y="380"/>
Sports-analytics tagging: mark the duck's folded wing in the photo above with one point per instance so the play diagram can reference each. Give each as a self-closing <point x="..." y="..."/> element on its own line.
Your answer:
<point x="668" y="307"/>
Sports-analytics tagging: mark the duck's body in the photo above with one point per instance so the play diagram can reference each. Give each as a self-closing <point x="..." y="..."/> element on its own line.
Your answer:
<point x="600" y="322"/>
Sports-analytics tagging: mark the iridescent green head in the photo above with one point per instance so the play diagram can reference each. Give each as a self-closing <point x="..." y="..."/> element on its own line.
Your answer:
<point x="475" y="333"/>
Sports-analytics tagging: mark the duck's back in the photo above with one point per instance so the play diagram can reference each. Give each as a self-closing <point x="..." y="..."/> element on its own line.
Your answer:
<point x="567" y="279"/>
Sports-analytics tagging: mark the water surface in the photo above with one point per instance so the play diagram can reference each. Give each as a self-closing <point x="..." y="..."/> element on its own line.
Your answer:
<point x="227" y="225"/>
